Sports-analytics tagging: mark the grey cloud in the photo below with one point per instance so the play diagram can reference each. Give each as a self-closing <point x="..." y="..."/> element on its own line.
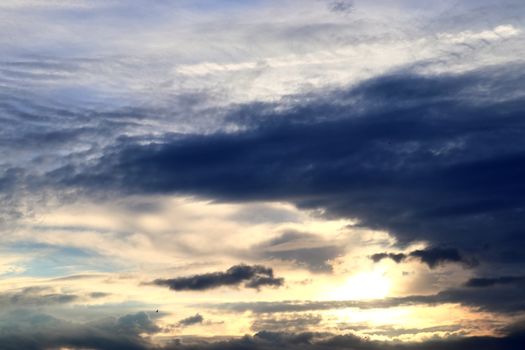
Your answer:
<point x="195" y="319"/>
<point x="341" y="6"/>
<point x="136" y="324"/>
<point x="433" y="257"/>
<point x="97" y="295"/>
<point x="397" y="257"/>
<point x="39" y="331"/>
<point x="306" y="250"/>
<point x="396" y="332"/>
<point x="36" y="331"/>
<point x="255" y="276"/>
<point x="293" y="323"/>
<point x="38" y="296"/>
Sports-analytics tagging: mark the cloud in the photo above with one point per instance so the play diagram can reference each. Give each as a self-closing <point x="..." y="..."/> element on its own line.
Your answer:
<point x="341" y="6"/>
<point x="396" y="332"/>
<point x="316" y="341"/>
<point x="195" y="319"/>
<point x="306" y="250"/>
<point x="39" y="296"/>
<point x="136" y="324"/>
<point x="397" y="257"/>
<point x="404" y="152"/>
<point x="36" y="331"/>
<point x="255" y="276"/>
<point x="500" y="32"/>
<point x="499" y="298"/>
<point x="46" y="332"/>
<point x="433" y="257"/>
<point x="489" y="282"/>
<point x="285" y="323"/>
<point x="436" y="256"/>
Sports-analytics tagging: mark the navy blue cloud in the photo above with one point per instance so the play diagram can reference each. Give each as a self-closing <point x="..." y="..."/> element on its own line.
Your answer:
<point x="494" y="281"/>
<point x="436" y="158"/>
<point x="433" y="257"/>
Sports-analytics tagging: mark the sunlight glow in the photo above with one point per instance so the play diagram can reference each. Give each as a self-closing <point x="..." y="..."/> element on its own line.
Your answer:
<point x="363" y="286"/>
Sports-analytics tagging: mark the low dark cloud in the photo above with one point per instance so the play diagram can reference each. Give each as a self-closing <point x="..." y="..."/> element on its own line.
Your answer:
<point x="255" y="276"/>
<point x="31" y="331"/>
<point x="35" y="331"/>
<point x="189" y="321"/>
<point x="433" y="257"/>
<point x="265" y="340"/>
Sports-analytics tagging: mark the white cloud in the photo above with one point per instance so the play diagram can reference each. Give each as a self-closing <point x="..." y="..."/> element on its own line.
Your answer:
<point x="497" y="33"/>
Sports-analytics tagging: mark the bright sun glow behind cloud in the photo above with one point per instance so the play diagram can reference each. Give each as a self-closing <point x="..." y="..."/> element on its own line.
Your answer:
<point x="363" y="286"/>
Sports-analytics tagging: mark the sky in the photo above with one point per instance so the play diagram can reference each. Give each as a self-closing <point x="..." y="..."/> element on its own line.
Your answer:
<point x="292" y="174"/>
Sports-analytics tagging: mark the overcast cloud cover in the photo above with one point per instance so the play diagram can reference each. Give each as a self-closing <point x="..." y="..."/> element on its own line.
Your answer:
<point x="226" y="174"/>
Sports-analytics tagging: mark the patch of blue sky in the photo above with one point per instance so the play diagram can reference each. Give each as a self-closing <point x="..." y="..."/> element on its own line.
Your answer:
<point x="47" y="261"/>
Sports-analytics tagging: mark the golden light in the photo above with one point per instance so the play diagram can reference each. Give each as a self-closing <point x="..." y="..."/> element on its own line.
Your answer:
<point x="363" y="286"/>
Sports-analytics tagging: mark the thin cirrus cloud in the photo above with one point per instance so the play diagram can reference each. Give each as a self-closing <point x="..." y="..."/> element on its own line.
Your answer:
<point x="302" y="249"/>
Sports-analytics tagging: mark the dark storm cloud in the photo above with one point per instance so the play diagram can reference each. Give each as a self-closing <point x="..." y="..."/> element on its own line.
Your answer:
<point x="489" y="282"/>
<point x="433" y="257"/>
<point x="306" y="250"/>
<point x="195" y="319"/>
<point x="255" y="276"/>
<point x="436" y="158"/>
